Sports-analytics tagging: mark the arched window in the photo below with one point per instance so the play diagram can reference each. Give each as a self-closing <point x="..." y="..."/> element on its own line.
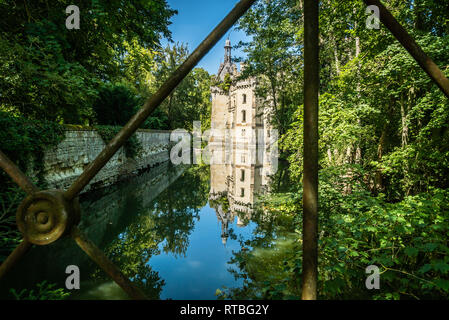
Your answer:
<point x="243" y="115"/>
<point x="244" y="98"/>
<point x="242" y="175"/>
<point x="242" y="192"/>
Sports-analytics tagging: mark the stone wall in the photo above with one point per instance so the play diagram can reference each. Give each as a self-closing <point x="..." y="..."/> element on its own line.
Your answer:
<point x="64" y="163"/>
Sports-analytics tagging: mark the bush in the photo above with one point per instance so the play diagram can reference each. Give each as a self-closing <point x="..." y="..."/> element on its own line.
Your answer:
<point x="24" y="140"/>
<point x="45" y="291"/>
<point x="407" y="240"/>
<point x="116" y="104"/>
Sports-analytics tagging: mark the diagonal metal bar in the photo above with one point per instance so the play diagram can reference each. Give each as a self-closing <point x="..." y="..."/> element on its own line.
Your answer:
<point x="103" y="261"/>
<point x="26" y="185"/>
<point x="14" y="257"/>
<point x="176" y="78"/>
<point x="17" y="175"/>
<point x="411" y="46"/>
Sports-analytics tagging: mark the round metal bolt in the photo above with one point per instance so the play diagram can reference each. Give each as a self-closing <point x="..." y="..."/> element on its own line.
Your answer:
<point x="45" y="216"/>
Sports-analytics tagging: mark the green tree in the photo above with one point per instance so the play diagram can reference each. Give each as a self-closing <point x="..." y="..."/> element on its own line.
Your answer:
<point x="190" y="101"/>
<point x="115" y="105"/>
<point x="50" y="72"/>
<point x="274" y="55"/>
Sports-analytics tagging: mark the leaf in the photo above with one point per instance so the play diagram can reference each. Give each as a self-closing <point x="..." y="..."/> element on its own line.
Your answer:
<point x="411" y="251"/>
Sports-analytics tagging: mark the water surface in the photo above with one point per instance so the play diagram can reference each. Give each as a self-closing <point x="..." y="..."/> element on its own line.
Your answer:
<point x="171" y="230"/>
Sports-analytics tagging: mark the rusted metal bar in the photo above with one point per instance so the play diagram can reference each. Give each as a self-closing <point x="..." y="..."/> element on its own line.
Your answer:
<point x="157" y="98"/>
<point x="17" y="175"/>
<point x="14" y="257"/>
<point x="412" y="47"/>
<point x="26" y="185"/>
<point x="103" y="261"/>
<point x="310" y="175"/>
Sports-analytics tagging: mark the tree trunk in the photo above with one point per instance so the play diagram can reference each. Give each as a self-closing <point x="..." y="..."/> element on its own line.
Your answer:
<point x="358" y="152"/>
<point x="404" y="119"/>
<point x="378" y="183"/>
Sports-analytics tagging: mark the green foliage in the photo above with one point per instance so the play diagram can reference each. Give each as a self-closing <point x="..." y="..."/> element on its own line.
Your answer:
<point x="379" y="110"/>
<point x="132" y="146"/>
<point x="49" y="72"/>
<point x="9" y="234"/>
<point x="383" y="154"/>
<point x="190" y="101"/>
<point x="225" y="85"/>
<point x="24" y="141"/>
<point x="36" y="81"/>
<point x="274" y="56"/>
<point x="407" y="240"/>
<point x="44" y="291"/>
<point x="116" y="104"/>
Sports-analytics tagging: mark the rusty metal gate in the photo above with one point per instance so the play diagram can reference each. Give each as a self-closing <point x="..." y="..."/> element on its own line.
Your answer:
<point x="43" y="217"/>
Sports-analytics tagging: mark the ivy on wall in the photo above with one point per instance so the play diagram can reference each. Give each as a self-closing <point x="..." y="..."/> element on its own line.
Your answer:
<point x="24" y="141"/>
<point x="133" y="148"/>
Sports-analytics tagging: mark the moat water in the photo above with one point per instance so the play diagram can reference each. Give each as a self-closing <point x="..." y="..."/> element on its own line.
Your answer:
<point x="172" y="230"/>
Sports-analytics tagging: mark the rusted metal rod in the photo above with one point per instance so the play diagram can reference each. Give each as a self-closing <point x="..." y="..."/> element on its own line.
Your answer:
<point x="14" y="257"/>
<point x="17" y="175"/>
<point x="157" y="98"/>
<point x="412" y="47"/>
<point x="310" y="175"/>
<point x="103" y="261"/>
<point x="26" y="185"/>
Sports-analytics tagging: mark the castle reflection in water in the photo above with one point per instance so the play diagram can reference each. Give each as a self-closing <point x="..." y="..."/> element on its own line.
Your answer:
<point x="242" y="146"/>
<point x="234" y="191"/>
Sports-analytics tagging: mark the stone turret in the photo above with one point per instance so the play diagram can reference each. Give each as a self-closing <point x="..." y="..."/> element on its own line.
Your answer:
<point x="228" y="48"/>
<point x="227" y="66"/>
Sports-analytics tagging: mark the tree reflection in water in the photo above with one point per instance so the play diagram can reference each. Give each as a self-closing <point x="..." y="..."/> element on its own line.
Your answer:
<point x="165" y="224"/>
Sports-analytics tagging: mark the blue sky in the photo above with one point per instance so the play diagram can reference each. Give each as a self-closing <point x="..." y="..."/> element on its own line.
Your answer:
<point x="195" y="20"/>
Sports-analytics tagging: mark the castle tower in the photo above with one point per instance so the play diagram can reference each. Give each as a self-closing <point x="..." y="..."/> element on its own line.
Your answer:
<point x="236" y="169"/>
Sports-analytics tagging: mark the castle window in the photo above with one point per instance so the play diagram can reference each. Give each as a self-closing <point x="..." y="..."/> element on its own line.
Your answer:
<point x="244" y="98"/>
<point x="243" y="115"/>
<point x="243" y="132"/>
<point x="242" y="192"/>
<point x="243" y="158"/>
<point x="242" y="175"/>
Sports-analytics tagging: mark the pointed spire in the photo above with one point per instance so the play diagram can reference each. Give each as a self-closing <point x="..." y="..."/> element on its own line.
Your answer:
<point x="227" y="65"/>
<point x="228" y="48"/>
